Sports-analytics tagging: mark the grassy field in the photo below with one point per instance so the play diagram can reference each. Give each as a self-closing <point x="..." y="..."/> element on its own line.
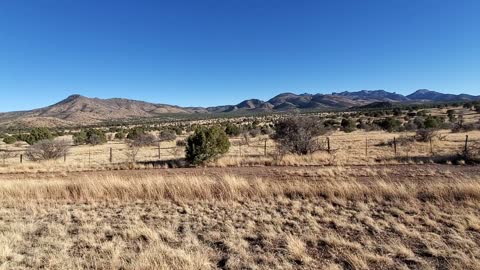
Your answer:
<point x="332" y="218"/>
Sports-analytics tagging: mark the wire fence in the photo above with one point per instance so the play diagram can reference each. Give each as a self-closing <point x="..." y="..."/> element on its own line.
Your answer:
<point x="355" y="148"/>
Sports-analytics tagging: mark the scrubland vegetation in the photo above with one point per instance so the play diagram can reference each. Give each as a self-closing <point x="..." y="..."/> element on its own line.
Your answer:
<point x="379" y="189"/>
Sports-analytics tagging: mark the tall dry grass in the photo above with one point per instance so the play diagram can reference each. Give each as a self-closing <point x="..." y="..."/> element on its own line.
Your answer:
<point x="230" y="187"/>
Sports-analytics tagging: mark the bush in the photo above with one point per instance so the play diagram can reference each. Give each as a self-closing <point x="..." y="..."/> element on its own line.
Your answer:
<point x="10" y="140"/>
<point x="298" y="135"/>
<point x="90" y="136"/>
<point x="389" y="124"/>
<point x="425" y="135"/>
<point x="167" y="135"/>
<point x="35" y="135"/>
<point x="47" y="150"/>
<point x="120" y="135"/>
<point x="232" y="130"/>
<point x="206" y="144"/>
<point x="348" y="125"/>
<point x="133" y="133"/>
<point x="181" y="143"/>
<point x="144" y="140"/>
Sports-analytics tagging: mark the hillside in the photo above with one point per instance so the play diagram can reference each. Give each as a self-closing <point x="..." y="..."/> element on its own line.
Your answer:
<point x="80" y="110"/>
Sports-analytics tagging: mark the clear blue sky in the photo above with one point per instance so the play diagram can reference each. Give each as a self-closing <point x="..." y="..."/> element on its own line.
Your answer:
<point x="213" y="52"/>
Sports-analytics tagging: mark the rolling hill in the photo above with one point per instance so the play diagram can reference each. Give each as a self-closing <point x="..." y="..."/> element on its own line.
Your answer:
<point x="80" y="110"/>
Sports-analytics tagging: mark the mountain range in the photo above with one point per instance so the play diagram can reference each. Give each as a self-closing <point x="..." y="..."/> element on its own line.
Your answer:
<point x="80" y="110"/>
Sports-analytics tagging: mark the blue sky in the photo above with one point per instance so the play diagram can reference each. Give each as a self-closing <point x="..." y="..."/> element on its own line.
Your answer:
<point x="214" y="52"/>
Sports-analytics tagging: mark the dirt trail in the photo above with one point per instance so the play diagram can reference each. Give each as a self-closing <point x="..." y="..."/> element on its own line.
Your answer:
<point x="430" y="172"/>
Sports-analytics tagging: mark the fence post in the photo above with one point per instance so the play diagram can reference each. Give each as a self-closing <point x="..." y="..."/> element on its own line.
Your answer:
<point x="395" y="145"/>
<point x="65" y="157"/>
<point x="466" y="145"/>
<point x="328" y="144"/>
<point x="265" y="148"/>
<point x="21" y="158"/>
<point x="111" y="155"/>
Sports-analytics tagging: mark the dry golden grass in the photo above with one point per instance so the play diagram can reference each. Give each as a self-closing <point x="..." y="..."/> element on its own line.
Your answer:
<point x="347" y="149"/>
<point x="333" y="221"/>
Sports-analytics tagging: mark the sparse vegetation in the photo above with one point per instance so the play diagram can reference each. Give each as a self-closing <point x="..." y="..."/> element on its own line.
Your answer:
<point x="47" y="150"/>
<point x="298" y="135"/>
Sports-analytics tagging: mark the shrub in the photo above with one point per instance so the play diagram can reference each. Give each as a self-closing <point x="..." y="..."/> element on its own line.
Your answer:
<point x="120" y="135"/>
<point x="47" y="150"/>
<point x="10" y="140"/>
<point x="80" y="138"/>
<point x="389" y="124"/>
<point x="35" y="135"/>
<point x="167" y="135"/>
<point x="181" y="143"/>
<point x="298" y="135"/>
<point x="135" y="132"/>
<point x="425" y="134"/>
<point x="232" y="130"/>
<point x="432" y="122"/>
<point x="90" y="136"/>
<point x="348" y="125"/>
<point x="144" y="140"/>
<point x="206" y="144"/>
<point x="254" y="132"/>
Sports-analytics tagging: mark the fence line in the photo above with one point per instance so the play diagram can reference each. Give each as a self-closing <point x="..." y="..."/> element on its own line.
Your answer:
<point x="353" y="148"/>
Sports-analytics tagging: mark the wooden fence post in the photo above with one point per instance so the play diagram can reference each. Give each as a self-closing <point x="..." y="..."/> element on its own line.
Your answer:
<point x="328" y="144"/>
<point x="466" y="145"/>
<point x="111" y="155"/>
<point x="265" y="148"/>
<point x="366" y="146"/>
<point x="395" y="145"/>
<point x="21" y="158"/>
<point x="65" y="157"/>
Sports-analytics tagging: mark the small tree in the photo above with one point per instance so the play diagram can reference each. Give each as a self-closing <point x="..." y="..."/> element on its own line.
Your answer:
<point x="132" y="152"/>
<point x="5" y="154"/>
<point x="298" y="135"/>
<point x="47" y="150"/>
<point x="206" y="144"/>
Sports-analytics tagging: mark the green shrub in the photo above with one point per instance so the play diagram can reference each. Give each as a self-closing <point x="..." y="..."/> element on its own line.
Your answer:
<point x="120" y="135"/>
<point x="348" y="125"/>
<point x="135" y="132"/>
<point x="206" y="144"/>
<point x="10" y="140"/>
<point x="232" y="130"/>
<point x="90" y="136"/>
<point x="389" y="124"/>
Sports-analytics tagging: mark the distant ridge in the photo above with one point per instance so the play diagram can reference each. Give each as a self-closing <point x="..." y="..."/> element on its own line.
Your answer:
<point x="80" y="110"/>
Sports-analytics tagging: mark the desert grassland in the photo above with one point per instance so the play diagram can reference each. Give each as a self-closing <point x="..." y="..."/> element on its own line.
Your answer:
<point x="347" y="149"/>
<point x="331" y="221"/>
